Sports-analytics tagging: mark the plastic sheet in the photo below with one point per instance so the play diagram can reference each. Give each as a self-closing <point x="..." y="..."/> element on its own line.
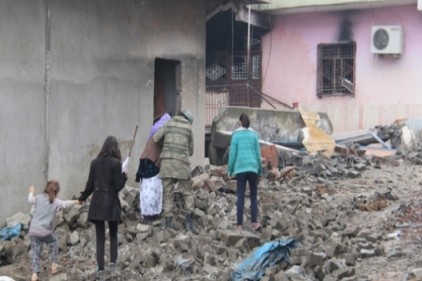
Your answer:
<point x="269" y="254"/>
<point x="8" y="233"/>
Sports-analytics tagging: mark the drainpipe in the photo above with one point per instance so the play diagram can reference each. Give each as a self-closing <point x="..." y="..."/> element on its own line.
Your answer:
<point x="47" y="85"/>
<point x="248" y="55"/>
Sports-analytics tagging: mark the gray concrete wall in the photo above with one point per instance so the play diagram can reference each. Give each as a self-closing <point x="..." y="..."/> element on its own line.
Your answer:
<point x="74" y="72"/>
<point x="22" y="101"/>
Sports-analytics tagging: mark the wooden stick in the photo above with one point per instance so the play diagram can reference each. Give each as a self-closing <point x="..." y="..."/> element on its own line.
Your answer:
<point x="133" y="140"/>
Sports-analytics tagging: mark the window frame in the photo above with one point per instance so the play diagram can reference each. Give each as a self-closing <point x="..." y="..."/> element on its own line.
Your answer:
<point x="337" y="60"/>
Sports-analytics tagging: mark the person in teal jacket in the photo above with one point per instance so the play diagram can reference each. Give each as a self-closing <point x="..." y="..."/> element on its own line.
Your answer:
<point x="245" y="163"/>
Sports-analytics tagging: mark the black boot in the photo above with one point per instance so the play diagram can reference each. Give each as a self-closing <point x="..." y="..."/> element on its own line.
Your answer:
<point x="189" y="224"/>
<point x="169" y="222"/>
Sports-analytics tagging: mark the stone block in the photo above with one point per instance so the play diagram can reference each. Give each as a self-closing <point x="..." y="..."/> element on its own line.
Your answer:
<point x="198" y="181"/>
<point x="349" y="259"/>
<point x="331" y="266"/>
<point x="365" y="253"/>
<point x="360" y="167"/>
<point x="74" y="238"/>
<point x="417" y="273"/>
<point x="333" y="249"/>
<point x="345" y="271"/>
<point x="353" y="174"/>
<point x="319" y="273"/>
<point x="19" y="217"/>
<point x="316" y="259"/>
<point x="230" y="238"/>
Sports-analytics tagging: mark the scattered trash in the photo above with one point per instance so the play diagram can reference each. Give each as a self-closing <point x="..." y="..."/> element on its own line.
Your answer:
<point x="5" y="278"/>
<point x="394" y="235"/>
<point x="184" y="264"/>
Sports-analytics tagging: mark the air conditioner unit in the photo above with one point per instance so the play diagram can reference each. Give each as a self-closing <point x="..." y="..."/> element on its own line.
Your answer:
<point x="420" y="5"/>
<point x="387" y="39"/>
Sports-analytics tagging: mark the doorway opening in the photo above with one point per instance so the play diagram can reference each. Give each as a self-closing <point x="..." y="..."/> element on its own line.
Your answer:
<point x="167" y="87"/>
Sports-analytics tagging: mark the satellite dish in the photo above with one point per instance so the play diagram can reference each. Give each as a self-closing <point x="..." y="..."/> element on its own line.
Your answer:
<point x="380" y="39"/>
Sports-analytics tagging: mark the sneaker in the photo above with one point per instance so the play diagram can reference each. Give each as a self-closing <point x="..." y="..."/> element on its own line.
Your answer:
<point x="256" y="226"/>
<point x="239" y="228"/>
<point x="101" y="275"/>
<point x="112" y="267"/>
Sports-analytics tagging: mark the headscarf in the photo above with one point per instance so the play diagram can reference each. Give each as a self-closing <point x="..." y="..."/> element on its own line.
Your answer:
<point x="160" y="123"/>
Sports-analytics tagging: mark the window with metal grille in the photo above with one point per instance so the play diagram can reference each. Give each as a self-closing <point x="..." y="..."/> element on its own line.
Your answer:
<point x="256" y="67"/>
<point x="336" y="69"/>
<point x="239" y="67"/>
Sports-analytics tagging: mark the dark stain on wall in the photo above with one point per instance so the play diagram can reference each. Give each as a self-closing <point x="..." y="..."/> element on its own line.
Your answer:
<point x="345" y="30"/>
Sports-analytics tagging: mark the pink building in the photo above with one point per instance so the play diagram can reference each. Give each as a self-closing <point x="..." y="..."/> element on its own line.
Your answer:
<point x="336" y="62"/>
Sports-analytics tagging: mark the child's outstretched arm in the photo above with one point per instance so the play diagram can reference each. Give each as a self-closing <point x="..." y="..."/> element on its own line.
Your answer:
<point x="66" y="204"/>
<point x="31" y="198"/>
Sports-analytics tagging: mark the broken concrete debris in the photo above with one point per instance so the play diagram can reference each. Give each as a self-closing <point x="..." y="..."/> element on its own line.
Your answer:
<point x="295" y="132"/>
<point x="306" y="200"/>
<point x="304" y="196"/>
<point x="281" y="129"/>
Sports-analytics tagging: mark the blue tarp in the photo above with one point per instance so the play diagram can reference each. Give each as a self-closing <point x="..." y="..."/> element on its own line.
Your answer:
<point x="253" y="267"/>
<point x="8" y="233"/>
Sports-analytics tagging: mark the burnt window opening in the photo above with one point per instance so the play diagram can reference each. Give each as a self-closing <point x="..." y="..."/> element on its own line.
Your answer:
<point x="336" y="69"/>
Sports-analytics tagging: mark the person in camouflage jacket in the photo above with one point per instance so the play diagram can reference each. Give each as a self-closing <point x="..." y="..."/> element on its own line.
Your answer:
<point x="176" y="140"/>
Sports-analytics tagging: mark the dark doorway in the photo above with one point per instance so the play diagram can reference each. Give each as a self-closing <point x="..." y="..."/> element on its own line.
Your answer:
<point x="167" y="87"/>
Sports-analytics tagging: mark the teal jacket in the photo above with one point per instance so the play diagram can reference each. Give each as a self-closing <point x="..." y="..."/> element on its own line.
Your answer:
<point x="245" y="153"/>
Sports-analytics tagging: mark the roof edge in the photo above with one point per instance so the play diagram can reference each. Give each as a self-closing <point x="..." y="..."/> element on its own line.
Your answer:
<point x="291" y="7"/>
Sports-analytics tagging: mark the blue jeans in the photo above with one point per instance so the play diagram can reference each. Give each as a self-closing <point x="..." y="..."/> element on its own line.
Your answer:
<point x="252" y="179"/>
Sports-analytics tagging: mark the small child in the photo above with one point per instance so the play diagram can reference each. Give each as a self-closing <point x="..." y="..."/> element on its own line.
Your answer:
<point x="41" y="230"/>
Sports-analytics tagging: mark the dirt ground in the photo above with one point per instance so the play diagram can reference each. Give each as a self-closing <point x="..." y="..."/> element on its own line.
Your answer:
<point x="397" y="221"/>
<point x="402" y="217"/>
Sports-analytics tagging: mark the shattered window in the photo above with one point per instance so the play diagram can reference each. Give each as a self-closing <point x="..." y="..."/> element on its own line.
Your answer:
<point x="336" y="69"/>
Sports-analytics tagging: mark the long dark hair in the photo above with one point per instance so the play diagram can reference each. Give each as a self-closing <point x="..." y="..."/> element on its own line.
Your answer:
<point x="110" y="149"/>
<point x="52" y="188"/>
<point x="244" y="120"/>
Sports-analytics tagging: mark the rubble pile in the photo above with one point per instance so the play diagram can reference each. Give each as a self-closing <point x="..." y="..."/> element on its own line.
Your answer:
<point x="312" y="199"/>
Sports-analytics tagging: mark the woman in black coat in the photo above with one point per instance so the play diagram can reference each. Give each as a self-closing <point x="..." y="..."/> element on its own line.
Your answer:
<point x="104" y="183"/>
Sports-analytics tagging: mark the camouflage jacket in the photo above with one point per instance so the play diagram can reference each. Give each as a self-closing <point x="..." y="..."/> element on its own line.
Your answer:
<point x="176" y="140"/>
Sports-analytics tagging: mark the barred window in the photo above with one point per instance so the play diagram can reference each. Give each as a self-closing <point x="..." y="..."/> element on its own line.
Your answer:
<point x="336" y="69"/>
<point x="239" y="67"/>
<point x="256" y="67"/>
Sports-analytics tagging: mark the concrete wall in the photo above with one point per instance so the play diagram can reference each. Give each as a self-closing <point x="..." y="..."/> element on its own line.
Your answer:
<point x="386" y="88"/>
<point x="74" y="72"/>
